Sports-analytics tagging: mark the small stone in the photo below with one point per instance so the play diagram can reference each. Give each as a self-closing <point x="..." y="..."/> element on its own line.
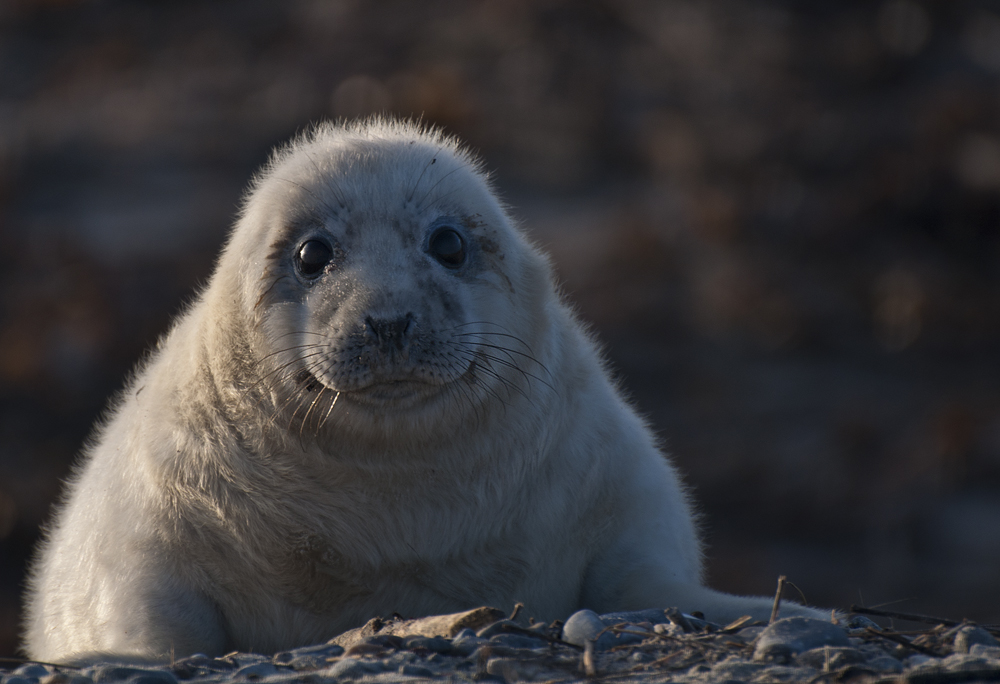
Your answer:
<point x="32" y="671"/>
<point x="982" y="651"/>
<point x="351" y="668"/>
<point x="108" y="674"/>
<point x="748" y="634"/>
<point x="319" y="651"/>
<point x="885" y="663"/>
<point x="970" y="635"/>
<point x="917" y="660"/>
<point x="466" y="642"/>
<point x="963" y="661"/>
<point x="839" y="657"/>
<point x="435" y="625"/>
<point x="256" y="671"/>
<point x="669" y="629"/>
<point x="786" y="638"/>
<point x="55" y="678"/>
<point x="414" y="670"/>
<point x="15" y="679"/>
<point x="374" y="650"/>
<point x="584" y="625"/>
<point x="736" y="668"/>
<point x="515" y="670"/>
<point x="244" y="659"/>
<point x="433" y="644"/>
<point x="384" y="640"/>
<point x="464" y="634"/>
<point x="306" y="663"/>
<point x="581" y="626"/>
<point x="517" y="641"/>
<point x="193" y="666"/>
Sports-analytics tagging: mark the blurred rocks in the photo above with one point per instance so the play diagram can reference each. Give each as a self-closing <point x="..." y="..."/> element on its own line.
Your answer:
<point x="970" y="636"/>
<point x="783" y="639"/>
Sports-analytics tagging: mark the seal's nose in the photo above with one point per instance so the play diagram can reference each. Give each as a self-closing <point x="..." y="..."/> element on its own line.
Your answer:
<point x="389" y="333"/>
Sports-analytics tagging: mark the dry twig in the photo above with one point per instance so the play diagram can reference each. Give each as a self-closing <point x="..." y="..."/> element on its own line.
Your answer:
<point x="901" y="640"/>
<point x="912" y="617"/>
<point x="777" y="600"/>
<point x="589" y="665"/>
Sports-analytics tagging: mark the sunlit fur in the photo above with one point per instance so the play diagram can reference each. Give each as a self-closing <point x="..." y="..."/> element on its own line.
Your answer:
<point x="274" y="475"/>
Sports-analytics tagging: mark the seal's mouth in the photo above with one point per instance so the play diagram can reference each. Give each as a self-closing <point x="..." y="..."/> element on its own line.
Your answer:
<point x="394" y="392"/>
<point x="381" y="392"/>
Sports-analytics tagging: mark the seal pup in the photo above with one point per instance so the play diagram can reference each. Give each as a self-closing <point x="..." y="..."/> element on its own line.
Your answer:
<point x="378" y="404"/>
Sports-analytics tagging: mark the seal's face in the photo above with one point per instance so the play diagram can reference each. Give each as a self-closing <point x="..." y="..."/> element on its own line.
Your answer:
<point x="392" y="284"/>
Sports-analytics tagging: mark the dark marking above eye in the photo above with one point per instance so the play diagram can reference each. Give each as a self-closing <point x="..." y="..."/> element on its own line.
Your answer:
<point x="447" y="246"/>
<point x="312" y="257"/>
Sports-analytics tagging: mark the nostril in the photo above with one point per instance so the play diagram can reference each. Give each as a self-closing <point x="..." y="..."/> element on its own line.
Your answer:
<point x="384" y="332"/>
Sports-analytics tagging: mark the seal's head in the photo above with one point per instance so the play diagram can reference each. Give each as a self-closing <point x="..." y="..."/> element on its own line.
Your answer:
<point x="382" y="279"/>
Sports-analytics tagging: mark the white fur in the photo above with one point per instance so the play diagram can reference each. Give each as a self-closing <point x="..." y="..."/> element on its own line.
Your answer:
<point x="224" y="505"/>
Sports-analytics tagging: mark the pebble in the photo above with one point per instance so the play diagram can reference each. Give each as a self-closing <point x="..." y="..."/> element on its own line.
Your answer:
<point x="108" y="674"/>
<point x="15" y="679"/>
<point x="466" y="642"/>
<point x="306" y="663"/>
<point x="790" y="636"/>
<point x="433" y="644"/>
<point x="256" y="671"/>
<point x="836" y="657"/>
<point x="352" y="668"/>
<point x="669" y="629"/>
<point x="468" y="647"/>
<point x="884" y="663"/>
<point x="581" y="627"/>
<point x="518" y="641"/>
<point x="414" y="670"/>
<point x="970" y="636"/>
<point x="749" y="634"/>
<point x="32" y="671"/>
<point x="990" y="652"/>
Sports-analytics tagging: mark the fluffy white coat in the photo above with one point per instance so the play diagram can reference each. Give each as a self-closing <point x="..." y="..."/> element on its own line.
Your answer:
<point x="282" y="468"/>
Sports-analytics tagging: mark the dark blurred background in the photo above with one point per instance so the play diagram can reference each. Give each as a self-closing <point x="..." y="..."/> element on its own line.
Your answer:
<point x="783" y="219"/>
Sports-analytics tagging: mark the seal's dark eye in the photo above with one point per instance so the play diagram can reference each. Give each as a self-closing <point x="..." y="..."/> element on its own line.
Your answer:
<point x="448" y="247"/>
<point x="312" y="256"/>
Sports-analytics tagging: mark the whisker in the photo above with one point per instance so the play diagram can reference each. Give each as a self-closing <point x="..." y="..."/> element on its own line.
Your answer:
<point x="493" y="373"/>
<point x="282" y="367"/>
<point x="433" y="160"/>
<point x="509" y="351"/>
<point x="305" y="418"/>
<point x="498" y="334"/>
<point x="439" y="181"/>
<point x="328" y="411"/>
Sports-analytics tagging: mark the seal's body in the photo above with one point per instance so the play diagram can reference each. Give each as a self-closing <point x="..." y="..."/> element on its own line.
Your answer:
<point x="378" y="404"/>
